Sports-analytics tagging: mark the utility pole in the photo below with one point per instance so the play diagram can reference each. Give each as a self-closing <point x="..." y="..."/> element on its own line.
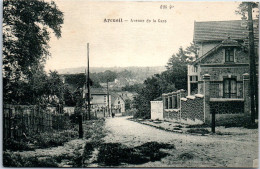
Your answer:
<point x="88" y="86"/>
<point x="253" y="78"/>
<point x="108" y="109"/>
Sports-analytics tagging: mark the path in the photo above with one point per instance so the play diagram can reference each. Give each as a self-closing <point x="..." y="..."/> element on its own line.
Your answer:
<point x="206" y="151"/>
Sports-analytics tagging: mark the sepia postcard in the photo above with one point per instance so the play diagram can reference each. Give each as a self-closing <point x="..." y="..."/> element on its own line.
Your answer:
<point x="130" y="84"/>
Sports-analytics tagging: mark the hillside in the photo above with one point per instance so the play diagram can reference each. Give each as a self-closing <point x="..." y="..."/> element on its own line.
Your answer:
<point x="133" y="69"/>
<point x="119" y="76"/>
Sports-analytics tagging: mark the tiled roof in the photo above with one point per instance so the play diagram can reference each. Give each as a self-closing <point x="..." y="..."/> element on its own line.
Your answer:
<point x="220" y="30"/>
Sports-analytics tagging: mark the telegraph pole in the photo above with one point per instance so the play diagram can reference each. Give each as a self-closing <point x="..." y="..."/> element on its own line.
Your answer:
<point x="88" y="85"/>
<point x="108" y="109"/>
<point x="253" y="78"/>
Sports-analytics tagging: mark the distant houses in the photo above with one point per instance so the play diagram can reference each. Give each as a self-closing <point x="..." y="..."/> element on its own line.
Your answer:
<point x="218" y="80"/>
<point x="100" y="101"/>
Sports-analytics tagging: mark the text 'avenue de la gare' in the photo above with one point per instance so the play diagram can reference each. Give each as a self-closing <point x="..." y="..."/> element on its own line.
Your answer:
<point x="121" y="20"/>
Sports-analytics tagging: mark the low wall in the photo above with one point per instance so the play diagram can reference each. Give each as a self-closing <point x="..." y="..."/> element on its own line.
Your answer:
<point x="172" y="114"/>
<point x="157" y="110"/>
<point x="192" y="109"/>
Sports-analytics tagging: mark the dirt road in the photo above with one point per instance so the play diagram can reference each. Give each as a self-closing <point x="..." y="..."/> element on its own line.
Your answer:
<point x="191" y="151"/>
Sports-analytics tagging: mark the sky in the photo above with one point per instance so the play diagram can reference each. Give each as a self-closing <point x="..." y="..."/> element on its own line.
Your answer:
<point x="129" y="43"/>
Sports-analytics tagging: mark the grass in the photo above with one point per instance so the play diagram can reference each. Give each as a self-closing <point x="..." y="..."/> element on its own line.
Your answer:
<point x="41" y="140"/>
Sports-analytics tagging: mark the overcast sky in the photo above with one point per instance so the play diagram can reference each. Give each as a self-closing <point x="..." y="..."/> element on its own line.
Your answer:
<point x="127" y="43"/>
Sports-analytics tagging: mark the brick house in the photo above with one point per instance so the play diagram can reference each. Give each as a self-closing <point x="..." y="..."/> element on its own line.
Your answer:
<point x="222" y="53"/>
<point x="218" y="80"/>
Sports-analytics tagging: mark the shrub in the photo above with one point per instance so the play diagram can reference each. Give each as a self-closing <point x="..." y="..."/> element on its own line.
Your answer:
<point x="14" y="145"/>
<point x="15" y="160"/>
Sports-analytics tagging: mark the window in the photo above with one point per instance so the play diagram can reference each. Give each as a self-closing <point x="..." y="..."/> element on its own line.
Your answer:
<point x="230" y="88"/>
<point x="193" y="78"/>
<point x="175" y="102"/>
<point x="170" y="102"/>
<point x="166" y="103"/>
<point x="229" y="55"/>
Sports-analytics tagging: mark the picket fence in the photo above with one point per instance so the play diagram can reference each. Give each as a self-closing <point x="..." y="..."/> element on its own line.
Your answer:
<point x="21" y="120"/>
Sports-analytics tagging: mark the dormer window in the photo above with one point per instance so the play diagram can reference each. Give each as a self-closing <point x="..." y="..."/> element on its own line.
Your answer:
<point x="229" y="55"/>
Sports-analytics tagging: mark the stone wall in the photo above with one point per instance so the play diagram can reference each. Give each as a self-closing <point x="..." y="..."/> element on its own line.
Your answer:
<point x="192" y="108"/>
<point x="172" y="115"/>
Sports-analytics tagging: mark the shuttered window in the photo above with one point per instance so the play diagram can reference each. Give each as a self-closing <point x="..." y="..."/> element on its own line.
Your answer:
<point x="230" y="88"/>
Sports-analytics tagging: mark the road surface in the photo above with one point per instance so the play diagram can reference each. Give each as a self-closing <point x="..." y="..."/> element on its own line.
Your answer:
<point x="205" y="151"/>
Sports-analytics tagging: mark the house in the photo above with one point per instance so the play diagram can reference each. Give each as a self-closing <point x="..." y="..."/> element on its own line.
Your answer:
<point x="218" y="80"/>
<point x="118" y="103"/>
<point x="99" y="101"/>
<point x="222" y="53"/>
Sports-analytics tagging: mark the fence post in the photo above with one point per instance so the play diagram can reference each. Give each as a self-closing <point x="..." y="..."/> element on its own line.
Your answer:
<point x="213" y="121"/>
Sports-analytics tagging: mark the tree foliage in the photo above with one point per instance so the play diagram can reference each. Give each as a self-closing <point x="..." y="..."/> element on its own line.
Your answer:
<point x="174" y="78"/>
<point x="26" y="33"/>
<point x="243" y="8"/>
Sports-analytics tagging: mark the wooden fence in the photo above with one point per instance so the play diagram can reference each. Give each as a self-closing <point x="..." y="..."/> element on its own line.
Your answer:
<point x="21" y="121"/>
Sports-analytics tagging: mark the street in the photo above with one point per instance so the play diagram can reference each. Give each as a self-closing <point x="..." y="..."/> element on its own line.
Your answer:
<point x="191" y="151"/>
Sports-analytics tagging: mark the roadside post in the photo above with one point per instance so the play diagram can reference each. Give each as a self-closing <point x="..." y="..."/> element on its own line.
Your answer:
<point x="213" y="121"/>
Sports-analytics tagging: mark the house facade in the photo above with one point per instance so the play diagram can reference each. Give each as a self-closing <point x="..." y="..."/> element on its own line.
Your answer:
<point x="118" y="103"/>
<point x="100" y="101"/>
<point x="222" y="53"/>
<point x="218" y="80"/>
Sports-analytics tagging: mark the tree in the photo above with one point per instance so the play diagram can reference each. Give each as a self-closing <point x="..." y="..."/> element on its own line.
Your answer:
<point x="26" y="33"/>
<point x="174" y="78"/>
<point x="55" y="89"/>
<point x="109" y="76"/>
<point x="243" y="8"/>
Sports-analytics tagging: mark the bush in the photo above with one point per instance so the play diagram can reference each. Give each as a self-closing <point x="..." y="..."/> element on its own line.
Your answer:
<point x="15" y="160"/>
<point x="14" y="145"/>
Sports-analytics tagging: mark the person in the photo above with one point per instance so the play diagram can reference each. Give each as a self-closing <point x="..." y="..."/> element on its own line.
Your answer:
<point x="113" y="114"/>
